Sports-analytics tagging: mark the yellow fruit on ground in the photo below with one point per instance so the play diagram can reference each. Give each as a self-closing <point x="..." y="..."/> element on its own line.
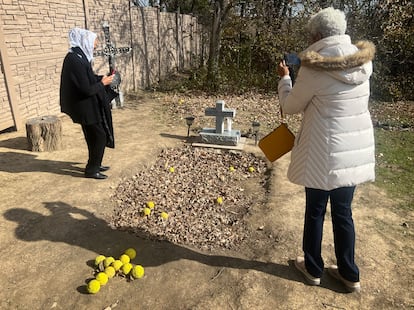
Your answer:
<point x="172" y="169"/>
<point x="147" y="211"/>
<point x="124" y="259"/>
<point x="164" y="215"/>
<point x="93" y="286"/>
<point x="126" y="268"/>
<point x="110" y="271"/>
<point x="137" y="271"/>
<point x="99" y="259"/>
<point x="251" y="169"/>
<point x="117" y="264"/>
<point x="108" y="261"/>
<point x="151" y="204"/>
<point x="131" y="253"/>
<point x="102" y="277"/>
<point x="219" y="200"/>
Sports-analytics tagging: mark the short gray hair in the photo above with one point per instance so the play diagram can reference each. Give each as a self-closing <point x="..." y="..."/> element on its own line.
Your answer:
<point x="327" y="22"/>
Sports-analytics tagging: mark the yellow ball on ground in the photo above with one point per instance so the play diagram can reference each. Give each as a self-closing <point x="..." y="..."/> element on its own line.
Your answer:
<point x="99" y="259"/>
<point x="110" y="271"/>
<point x="219" y="200"/>
<point x="151" y="204"/>
<point x="137" y="271"/>
<point x="164" y="215"/>
<point x="93" y="286"/>
<point x="126" y="268"/>
<point x="102" y="277"/>
<point x="251" y="169"/>
<point x="172" y="169"/>
<point x="147" y="211"/>
<point x="124" y="259"/>
<point x="117" y="264"/>
<point x="131" y="253"/>
<point x="108" y="261"/>
<point x="231" y="168"/>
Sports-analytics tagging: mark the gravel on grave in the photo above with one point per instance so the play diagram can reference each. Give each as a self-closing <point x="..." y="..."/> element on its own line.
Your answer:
<point x="189" y="196"/>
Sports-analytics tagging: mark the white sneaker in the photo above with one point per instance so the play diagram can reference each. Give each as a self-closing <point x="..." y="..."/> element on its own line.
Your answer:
<point x="300" y="265"/>
<point x="350" y="286"/>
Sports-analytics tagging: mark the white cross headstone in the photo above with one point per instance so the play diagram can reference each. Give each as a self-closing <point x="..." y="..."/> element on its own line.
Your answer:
<point x="221" y="114"/>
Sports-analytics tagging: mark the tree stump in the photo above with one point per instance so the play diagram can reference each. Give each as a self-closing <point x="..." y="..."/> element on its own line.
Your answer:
<point x="44" y="133"/>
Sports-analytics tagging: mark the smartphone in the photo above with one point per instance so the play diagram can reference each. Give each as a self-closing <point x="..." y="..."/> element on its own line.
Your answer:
<point x="291" y="59"/>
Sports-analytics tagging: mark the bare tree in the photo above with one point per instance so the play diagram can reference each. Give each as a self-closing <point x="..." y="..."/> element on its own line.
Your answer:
<point x="221" y="10"/>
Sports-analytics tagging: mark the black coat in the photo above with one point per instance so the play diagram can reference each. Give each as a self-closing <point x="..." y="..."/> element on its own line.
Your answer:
<point x="82" y="95"/>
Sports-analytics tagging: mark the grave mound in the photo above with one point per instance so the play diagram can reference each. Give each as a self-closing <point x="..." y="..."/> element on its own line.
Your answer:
<point x="207" y="194"/>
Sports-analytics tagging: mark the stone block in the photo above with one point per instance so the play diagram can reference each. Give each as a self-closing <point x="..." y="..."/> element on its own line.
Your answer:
<point x="209" y="135"/>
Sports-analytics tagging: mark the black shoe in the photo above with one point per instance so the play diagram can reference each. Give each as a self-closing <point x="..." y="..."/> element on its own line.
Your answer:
<point x="96" y="175"/>
<point x="104" y="168"/>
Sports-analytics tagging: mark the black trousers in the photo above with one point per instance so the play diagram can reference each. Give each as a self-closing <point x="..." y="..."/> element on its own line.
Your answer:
<point x="343" y="231"/>
<point x="95" y="137"/>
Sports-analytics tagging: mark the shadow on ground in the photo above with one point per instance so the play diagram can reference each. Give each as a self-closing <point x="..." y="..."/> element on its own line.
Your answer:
<point x="19" y="143"/>
<point x="78" y="227"/>
<point x="15" y="162"/>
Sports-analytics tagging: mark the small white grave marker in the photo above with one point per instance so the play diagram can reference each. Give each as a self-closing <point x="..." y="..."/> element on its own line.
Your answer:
<point x="219" y="135"/>
<point x="221" y="113"/>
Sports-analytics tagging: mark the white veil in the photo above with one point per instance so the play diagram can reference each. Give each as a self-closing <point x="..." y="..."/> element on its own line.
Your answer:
<point x="84" y="39"/>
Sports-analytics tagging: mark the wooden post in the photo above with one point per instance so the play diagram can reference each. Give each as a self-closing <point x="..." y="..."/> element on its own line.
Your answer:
<point x="44" y="133"/>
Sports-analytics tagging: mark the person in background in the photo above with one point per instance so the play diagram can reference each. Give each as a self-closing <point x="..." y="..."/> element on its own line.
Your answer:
<point x="86" y="98"/>
<point x="334" y="148"/>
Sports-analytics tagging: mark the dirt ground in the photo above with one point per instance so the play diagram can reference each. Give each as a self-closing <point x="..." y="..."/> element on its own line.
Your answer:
<point x="54" y="222"/>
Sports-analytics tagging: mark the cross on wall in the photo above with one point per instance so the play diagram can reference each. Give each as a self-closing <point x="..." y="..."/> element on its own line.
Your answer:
<point x="110" y="50"/>
<point x="220" y="113"/>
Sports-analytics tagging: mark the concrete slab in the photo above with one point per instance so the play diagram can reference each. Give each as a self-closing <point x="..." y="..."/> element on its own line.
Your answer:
<point x="238" y="147"/>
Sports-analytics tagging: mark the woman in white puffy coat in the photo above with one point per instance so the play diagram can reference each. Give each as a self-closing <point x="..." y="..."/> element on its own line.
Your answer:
<point x="334" y="149"/>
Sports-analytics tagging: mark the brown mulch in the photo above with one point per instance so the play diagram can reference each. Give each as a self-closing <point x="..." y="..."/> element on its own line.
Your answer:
<point x="189" y="195"/>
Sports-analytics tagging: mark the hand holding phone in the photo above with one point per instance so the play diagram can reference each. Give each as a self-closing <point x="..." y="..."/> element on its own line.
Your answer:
<point x="282" y="69"/>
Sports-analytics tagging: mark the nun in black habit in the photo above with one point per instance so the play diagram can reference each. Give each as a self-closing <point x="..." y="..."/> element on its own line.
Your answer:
<point x="86" y="98"/>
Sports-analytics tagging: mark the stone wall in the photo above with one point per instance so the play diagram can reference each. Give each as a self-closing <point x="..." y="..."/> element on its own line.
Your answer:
<point x="33" y="43"/>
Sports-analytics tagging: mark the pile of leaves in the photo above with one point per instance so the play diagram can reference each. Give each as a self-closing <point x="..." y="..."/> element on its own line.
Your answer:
<point x="393" y="116"/>
<point x="206" y="193"/>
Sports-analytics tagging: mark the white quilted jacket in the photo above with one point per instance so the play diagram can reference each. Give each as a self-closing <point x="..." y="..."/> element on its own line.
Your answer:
<point x="335" y="145"/>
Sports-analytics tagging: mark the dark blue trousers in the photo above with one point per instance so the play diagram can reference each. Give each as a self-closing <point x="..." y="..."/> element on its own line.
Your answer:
<point x="343" y="230"/>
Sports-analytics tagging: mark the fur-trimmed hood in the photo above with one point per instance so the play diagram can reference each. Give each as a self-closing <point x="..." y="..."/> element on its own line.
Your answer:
<point x="340" y="58"/>
<point x="335" y="144"/>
